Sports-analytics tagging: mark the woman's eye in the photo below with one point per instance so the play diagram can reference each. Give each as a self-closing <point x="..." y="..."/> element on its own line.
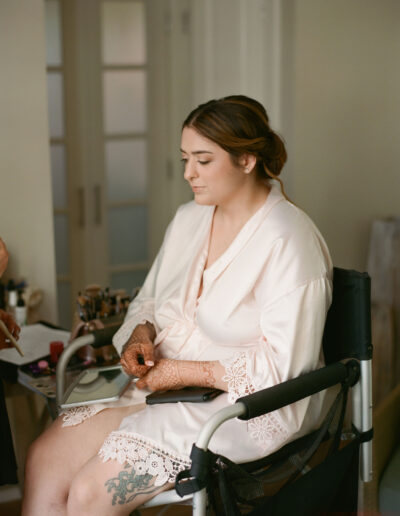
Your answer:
<point x="203" y="162"/>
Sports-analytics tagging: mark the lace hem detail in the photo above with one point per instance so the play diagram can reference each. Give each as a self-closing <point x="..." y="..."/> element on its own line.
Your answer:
<point x="146" y="455"/>
<point x="239" y="383"/>
<point x="266" y="429"/>
<point x="76" y="415"/>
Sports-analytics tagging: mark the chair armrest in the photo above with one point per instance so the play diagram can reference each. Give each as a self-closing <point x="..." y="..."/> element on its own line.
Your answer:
<point x="272" y="398"/>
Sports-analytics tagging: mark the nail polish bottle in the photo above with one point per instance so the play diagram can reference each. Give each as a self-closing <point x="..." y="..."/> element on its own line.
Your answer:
<point x="12" y="297"/>
<point x="20" y="310"/>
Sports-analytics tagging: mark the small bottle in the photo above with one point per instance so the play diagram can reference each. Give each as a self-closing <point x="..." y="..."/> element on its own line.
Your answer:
<point x="20" y="310"/>
<point x="12" y="297"/>
<point x="56" y="348"/>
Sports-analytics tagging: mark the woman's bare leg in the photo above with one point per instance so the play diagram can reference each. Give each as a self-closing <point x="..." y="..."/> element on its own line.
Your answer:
<point x="56" y="457"/>
<point x="110" y="489"/>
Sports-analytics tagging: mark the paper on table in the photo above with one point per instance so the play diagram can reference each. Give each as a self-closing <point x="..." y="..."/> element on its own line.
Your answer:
<point x="34" y="340"/>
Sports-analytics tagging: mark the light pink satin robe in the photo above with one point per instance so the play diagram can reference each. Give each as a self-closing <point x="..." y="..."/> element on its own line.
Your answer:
<point x="261" y="314"/>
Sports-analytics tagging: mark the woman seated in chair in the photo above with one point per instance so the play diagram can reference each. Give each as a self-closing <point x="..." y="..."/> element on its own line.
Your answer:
<point x="236" y="299"/>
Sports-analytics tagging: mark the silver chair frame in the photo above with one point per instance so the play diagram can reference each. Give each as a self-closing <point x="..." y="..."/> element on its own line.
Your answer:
<point x="362" y="420"/>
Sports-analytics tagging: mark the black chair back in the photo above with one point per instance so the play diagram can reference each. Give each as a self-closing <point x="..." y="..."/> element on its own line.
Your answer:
<point x="347" y="332"/>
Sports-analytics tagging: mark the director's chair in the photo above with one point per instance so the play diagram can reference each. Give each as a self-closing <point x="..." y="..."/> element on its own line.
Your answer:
<point x="301" y="484"/>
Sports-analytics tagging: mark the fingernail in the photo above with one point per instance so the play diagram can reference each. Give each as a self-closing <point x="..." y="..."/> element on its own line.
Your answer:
<point x="149" y="363"/>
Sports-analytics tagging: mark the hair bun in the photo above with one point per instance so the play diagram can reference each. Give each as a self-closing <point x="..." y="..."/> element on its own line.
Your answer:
<point x="275" y="153"/>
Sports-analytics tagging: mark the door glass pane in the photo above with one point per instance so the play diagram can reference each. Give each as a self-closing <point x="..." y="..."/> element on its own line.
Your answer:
<point x="127" y="280"/>
<point x="64" y="305"/>
<point x="123" y="36"/>
<point x="53" y="33"/>
<point x="127" y="229"/>
<point x="124" y="101"/>
<point x="61" y="241"/>
<point x="55" y="104"/>
<point x="126" y="170"/>
<point x="59" y="180"/>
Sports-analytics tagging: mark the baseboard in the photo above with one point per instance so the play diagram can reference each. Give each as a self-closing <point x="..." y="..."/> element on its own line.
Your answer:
<point x="9" y="493"/>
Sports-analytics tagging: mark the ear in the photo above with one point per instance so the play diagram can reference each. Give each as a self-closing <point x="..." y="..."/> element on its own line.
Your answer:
<point x="248" y="162"/>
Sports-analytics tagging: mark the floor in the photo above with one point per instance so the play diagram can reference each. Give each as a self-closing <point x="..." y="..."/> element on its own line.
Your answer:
<point x="10" y="508"/>
<point x="14" y="509"/>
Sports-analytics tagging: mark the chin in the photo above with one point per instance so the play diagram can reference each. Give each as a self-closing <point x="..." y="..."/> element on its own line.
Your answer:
<point x="203" y="200"/>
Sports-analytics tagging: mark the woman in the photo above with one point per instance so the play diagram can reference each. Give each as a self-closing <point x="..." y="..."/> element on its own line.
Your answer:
<point x="236" y="299"/>
<point x="8" y="465"/>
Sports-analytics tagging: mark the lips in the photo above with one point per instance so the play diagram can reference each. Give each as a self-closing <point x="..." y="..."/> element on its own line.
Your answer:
<point x="197" y="188"/>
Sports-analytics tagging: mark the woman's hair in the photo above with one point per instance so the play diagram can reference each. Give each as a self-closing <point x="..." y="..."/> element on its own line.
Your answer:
<point x="240" y="125"/>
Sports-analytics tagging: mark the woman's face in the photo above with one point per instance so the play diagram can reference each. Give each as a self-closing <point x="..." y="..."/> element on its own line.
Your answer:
<point x="209" y="170"/>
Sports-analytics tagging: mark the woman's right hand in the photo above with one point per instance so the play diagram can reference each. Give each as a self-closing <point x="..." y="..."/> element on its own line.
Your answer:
<point x="3" y="256"/>
<point x="12" y="327"/>
<point x="138" y="353"/>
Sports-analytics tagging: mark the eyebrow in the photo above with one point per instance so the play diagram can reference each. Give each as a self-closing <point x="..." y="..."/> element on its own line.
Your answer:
<point x="198" y="152"/>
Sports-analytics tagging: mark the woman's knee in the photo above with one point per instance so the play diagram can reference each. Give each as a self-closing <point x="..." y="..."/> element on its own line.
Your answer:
<point x="83" y="495"/>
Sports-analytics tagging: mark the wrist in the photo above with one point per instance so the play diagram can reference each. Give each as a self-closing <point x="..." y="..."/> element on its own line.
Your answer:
<point x="151" y="330"/>
<point x="146" y="330"/>
<point x="193" y="373"/>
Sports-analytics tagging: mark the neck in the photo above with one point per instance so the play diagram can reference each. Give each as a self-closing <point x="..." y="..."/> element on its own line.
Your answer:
<point x="240" y="208"/>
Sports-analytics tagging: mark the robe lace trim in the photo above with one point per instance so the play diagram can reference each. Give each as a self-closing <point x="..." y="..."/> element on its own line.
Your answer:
<point x="145" y="455"/>
<point x="76" y="415"/>
<point x="266" y="429"/>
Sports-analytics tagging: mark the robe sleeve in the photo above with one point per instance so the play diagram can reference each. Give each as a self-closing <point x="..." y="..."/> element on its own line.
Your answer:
<point x="142" y="308"/>
<point x="292" y="328"/>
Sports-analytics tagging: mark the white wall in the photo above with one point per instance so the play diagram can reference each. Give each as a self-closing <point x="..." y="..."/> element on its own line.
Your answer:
<point x="26" y="222"/>
<point x="346" y="118"/>
<point x="337" y="106"/>
<point x="199" y="50"/>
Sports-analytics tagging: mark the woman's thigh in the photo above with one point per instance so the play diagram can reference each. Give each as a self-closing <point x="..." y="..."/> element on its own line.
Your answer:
<point x="60" y="452"/>
<point x="110" y="488"/>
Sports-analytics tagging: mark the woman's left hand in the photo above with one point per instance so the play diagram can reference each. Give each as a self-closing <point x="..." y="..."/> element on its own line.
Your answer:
<point x="164" y="376"/>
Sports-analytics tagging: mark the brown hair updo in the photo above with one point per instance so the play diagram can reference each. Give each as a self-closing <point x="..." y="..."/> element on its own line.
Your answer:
<point x="240" y="125"/>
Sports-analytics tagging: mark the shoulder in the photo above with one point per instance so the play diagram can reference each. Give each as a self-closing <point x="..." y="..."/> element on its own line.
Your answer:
<point x="294" y="247"/>
<point x="286" y="220"/>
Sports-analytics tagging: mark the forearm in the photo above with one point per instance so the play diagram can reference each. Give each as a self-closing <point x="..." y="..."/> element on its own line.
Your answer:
<point x="142" y="333"/>
<point x="172" y="374"/>
<point x="202" y="374"/>
<point x="138" y="313"/>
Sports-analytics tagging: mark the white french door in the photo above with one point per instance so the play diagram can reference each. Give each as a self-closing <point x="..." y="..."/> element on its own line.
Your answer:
<point x="97" y="89"/>
<point x="122" y="74"/>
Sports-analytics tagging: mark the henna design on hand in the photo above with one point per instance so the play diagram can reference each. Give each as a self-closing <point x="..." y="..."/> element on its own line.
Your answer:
<point x="163" y="376"/>
<point x="200" y="374"/>
<point x="137" y="355"/>
<point x="170" y="374"/>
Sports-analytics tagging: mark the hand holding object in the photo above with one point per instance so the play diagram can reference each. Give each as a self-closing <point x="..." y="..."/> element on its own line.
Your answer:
<point x="138" y="353"/>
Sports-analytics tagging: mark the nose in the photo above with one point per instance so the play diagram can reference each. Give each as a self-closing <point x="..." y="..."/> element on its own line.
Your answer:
<point x="190" y="170"/>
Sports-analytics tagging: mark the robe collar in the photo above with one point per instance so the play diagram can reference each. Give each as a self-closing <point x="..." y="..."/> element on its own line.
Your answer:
<point x="247" y="231"/>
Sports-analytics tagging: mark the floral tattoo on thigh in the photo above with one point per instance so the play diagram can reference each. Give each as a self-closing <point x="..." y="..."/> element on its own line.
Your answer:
<point x="129" y="484"/>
